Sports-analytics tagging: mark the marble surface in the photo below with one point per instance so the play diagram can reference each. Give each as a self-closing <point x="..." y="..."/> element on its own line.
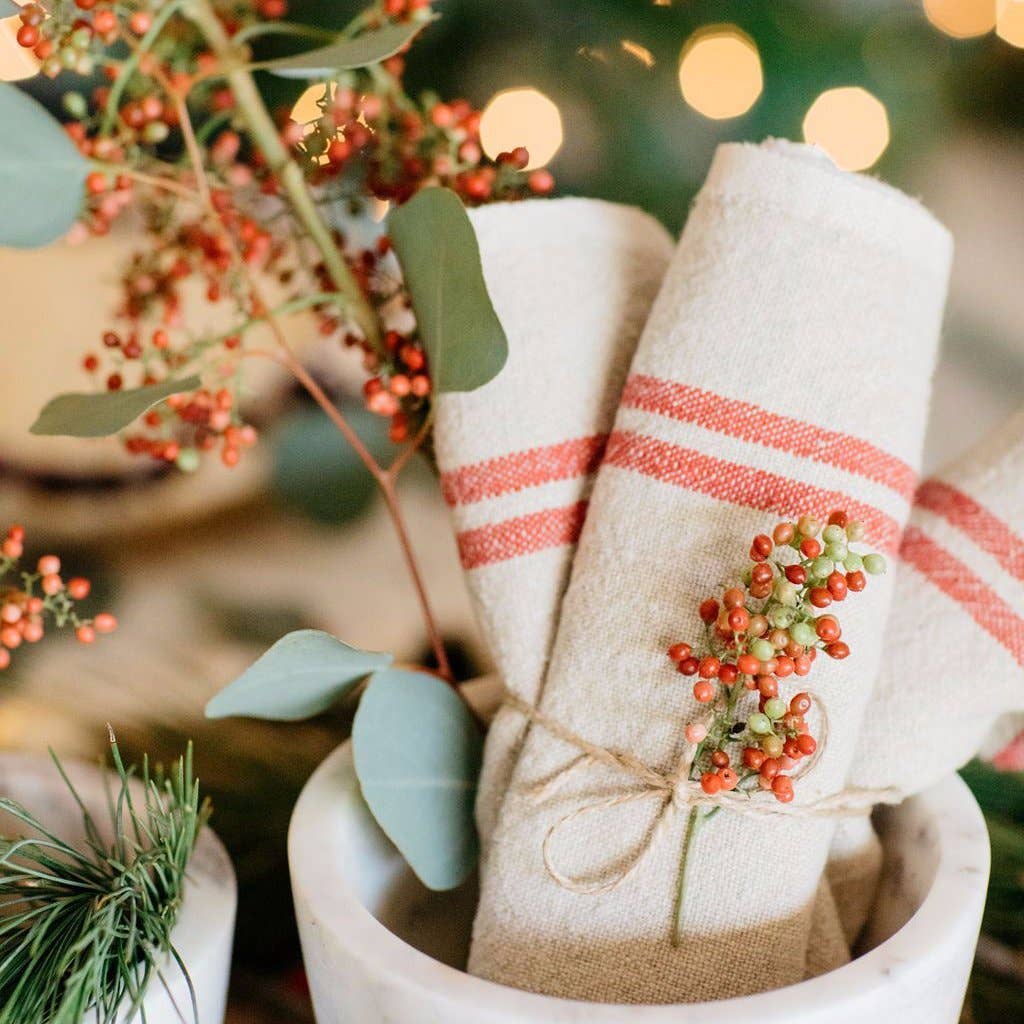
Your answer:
<point x="381" y="949"/>
<point x="204" y="931"/>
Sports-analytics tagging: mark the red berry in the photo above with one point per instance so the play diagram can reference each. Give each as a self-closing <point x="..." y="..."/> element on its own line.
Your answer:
<point x="810" y="547"/>
<point x="5" y="658"/>
<point x="762" y="546"/>
<point x="783" y="533"/>
<point x="105" y="623"/>
<point x="768" y="686"/>
<point x="729" y="778"/>
<point x="703" y="691"/>
<point x="728" y="674"/>
<point x="710" y="783"/>
<point x="770" y="767"/>
<point x="856" y="581"/>
<point x="28" y="36"/>
<point x="838" y="518"/>
<point x="796" y="574"/>
<point x="838" y="650"/>
<point x="541" y="182"/>
<point x="802" y="665"/>
<point x="709" y="610"/>
<point x="689" y="666"/>
<point x="720" y="759"/>
<point x="85" y="634"/>
<point x="140" y="22"/>
<point x="800" y="704"/>
<point x="827" y="627"/>
<point x="678" y="652"/>
<point x="820" y="597"/>
<point x="732" y="598"/>
<point x="709" y="667"/>
<point x="753" y="758"/>
<point x="79" y="588"/>
<point x="739" y="619"/>
<point x="48" y="565"/>
<point x="807" y="744"/>
<point x="748" y="664"/>
<point x="837" y="586"/>
<point x="782" y="787"/>
<point x="784" y="666"/>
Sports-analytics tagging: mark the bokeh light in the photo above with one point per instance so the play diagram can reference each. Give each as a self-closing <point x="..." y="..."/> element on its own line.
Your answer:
<point x="961" y="19"/>
<point x="521" y="117"/>
<point x="307" y="106"/>
<point x="720" y="72"/>
<point x="851" y="126"/>
<point x="1010" y="21"/>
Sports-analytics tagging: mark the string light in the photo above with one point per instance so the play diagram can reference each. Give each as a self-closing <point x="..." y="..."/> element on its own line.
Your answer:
<point x="1010" y="21"/>
<point x="521" y="117"/>
<point x="720" y="72"/>
<point x="640" y="53"/>
<point x="961" y="19"/>
<point x="851" y="126"/>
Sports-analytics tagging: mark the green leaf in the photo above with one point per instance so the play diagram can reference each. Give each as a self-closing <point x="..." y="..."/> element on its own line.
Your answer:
<point x="345" y="54"/>
<point x="321" y="477"/>
<point x="302" y="675"/>
<point x="437" y="248"/>
<point x="101" y="413"/>
<point x="42" y="174"/>
<point x="417" y="755"/>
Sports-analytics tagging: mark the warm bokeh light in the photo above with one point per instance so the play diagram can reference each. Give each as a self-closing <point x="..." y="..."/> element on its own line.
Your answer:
<point x="720" y="72"/>
<point x="851" y="126"/>
<point x="961" y="19"/>
<point x="307" y="107"/>
<point x="521" y="117"/>
<point x="15" y="61"/>
<point x="1010" y="21"/>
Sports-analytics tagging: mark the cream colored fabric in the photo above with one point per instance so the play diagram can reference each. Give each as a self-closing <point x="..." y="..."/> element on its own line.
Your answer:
<point x="815" y="296"/>
<point x="955" y="642"/>
<point x="572" y="281"/>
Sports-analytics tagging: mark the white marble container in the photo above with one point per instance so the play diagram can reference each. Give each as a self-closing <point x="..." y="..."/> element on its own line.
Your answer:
<point x="204" y="932"/>
<point x="381" y="949"/>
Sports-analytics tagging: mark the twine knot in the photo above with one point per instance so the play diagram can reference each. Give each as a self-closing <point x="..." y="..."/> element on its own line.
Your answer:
<point x="675" y="790"/>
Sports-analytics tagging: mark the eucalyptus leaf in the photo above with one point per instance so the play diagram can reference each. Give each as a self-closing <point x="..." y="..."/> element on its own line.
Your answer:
<point x="101" y="413"/>
<point x="344" y="54"/>
<point x="302" y="675"/>
<point x="42" y="174"/>
<point x="8" y="8"/>
<point x="417" y="755"/>
<point x="437" y="249"/>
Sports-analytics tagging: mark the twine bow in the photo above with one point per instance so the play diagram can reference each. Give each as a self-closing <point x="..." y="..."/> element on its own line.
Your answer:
<point x="675" y="791"/>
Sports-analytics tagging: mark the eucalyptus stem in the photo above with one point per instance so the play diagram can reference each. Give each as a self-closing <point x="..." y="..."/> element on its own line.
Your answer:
<point x="264" y="133"/>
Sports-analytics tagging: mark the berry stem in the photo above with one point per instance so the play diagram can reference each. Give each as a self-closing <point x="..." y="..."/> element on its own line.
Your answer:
<point x="265" y="135"/>
<point x="693" y="824"/>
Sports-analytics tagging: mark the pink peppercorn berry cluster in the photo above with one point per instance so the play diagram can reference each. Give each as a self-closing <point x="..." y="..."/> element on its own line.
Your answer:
<point x="26" y="605"/>
<point x="761" y="634"/>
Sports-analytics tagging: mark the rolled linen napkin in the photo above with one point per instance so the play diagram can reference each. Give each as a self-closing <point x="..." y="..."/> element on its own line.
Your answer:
<point x="572" y="281"/>
<point x="958" y="615"/>
<point x="785" y="368"/>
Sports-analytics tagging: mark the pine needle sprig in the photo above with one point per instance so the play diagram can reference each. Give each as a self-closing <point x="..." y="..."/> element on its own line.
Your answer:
<point x="85" y="930"/>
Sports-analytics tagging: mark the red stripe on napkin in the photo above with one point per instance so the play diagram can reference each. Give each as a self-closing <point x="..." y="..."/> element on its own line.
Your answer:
<point x="989" y="532"/>
<point x="524" y="535"/>
<point x="742" y="485"/>
<point x="958" y="581"/>
<point x="514" y="472"/>
<point x="749" y="422"/>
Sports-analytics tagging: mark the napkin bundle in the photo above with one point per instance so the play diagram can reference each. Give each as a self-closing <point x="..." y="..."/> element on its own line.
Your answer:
<point x="572" y="281"/>
<point x="785" y="368"/>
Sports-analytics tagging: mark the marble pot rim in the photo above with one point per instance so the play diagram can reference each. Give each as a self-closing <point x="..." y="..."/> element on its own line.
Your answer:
<point x="951" y="908"/>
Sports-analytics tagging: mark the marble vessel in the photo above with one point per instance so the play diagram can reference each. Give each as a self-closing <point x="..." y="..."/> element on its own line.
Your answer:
<point x="204" y="932"/>
<point x="379" y="948"/>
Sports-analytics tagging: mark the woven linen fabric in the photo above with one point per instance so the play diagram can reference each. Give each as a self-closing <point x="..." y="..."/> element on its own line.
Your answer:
<point x="955" y="643"/>
<point x="785" y="368"/>
<point x="572" y="281"/>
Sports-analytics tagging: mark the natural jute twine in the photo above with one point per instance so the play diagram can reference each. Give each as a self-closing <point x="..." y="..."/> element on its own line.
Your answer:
<point x="676" y="791"/>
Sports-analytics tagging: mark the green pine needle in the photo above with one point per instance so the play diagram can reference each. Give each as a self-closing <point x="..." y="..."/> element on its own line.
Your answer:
<point x="86" y="931"/>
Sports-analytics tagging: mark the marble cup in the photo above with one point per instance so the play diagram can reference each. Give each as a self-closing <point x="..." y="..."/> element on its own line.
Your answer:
<point x="379" y="948"/>
<point x="204" y="932"/>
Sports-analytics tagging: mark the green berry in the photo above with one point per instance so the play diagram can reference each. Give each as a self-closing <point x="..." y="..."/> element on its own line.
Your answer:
<point x="187" y="460"/>
<point x="759" y="724"/>
<point x="875" y="565"/>
<point x="75" y="104"/>
<point x="822" y="567"/>
<point x="803" y="633"/>
<point x="785" y="592"/>
<point x="155" y="132"/>
<point x="833" y="534"/>
<point x="853" y="562"/>
<point x="837" y="552"/>
<point x="855" y="530"/>
<point x="775" y="708"/>
<point x="762" y="650"/>
<point x="781" y="617"/>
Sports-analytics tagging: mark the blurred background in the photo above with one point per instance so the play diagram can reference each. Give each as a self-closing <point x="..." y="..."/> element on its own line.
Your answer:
<point x="623" y="99"/>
